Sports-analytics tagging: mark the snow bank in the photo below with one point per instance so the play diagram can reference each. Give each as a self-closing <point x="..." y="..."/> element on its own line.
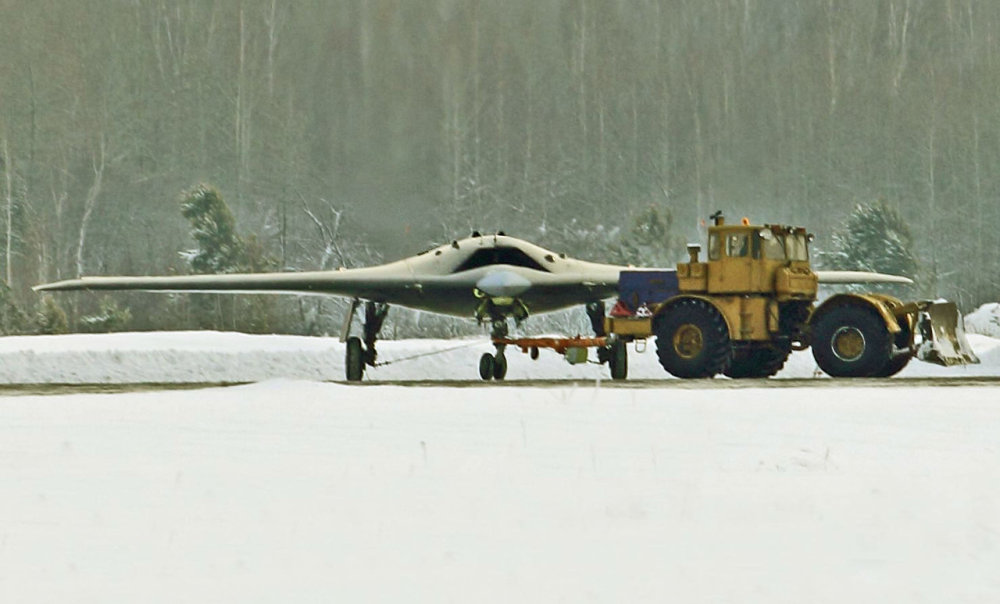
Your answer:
<point x="168" y="357"/>
<point x="225" y="357"/>
<point x="984" y="320"/>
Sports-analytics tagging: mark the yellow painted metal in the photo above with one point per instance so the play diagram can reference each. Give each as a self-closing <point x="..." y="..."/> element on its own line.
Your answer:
<point x="746" y="316"/>
<point x="880" y="303"/>
<point x="750" y="286"/>
<point x="773" y="317"/>
<point x="737" y="265"/>
<point x="688" y="341"/>
<point x="849" y="344"/>
<point x="795" y="282"/>
<point x="629" y="326"/>
<point x="945" y="342"/>
<point x="692" y="277"/>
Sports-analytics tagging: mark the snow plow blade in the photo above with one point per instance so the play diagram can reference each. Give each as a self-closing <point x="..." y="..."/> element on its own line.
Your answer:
<point x="943" y="333"/>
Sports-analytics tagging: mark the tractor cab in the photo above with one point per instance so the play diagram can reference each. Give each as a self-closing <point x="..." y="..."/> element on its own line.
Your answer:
<point x="751" y="259"/>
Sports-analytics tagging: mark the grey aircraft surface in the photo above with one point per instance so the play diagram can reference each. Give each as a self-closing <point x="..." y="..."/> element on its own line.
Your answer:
<point x="491" y="278"/>
<point x="487" y="277"/>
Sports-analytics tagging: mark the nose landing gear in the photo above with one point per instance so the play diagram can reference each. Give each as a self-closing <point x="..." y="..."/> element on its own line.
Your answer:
<point x="494" y="367"/>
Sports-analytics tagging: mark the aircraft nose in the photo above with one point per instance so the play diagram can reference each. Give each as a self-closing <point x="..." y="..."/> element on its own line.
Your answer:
<point x="503" y="284"/>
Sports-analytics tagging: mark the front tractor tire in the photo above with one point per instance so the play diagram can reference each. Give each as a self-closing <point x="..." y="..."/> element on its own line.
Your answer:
<point x="851" y="341"/>
<point x="903" y="342"/>
<point x="692" y="339"/>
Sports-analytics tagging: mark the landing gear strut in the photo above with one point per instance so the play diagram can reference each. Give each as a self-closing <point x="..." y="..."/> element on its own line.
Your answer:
<point x="494" y="367"/>
<point x="595" y="312"/>
<point x="614" y="353"/>
<point x="361" y="352"/>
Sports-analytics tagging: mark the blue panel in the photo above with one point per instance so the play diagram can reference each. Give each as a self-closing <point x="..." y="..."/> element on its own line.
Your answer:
<point x="636" y="288"/>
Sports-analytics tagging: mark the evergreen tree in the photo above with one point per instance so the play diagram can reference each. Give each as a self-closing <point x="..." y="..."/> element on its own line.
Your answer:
<point x="874" y="238"/>
<point x="259" y="312"/>
<point x="13" y="320"/>
<point x="50" y="318"/>
<point x="110" y="317"/>
<point x="650" y="241"/>
<point x="220" y="249"/>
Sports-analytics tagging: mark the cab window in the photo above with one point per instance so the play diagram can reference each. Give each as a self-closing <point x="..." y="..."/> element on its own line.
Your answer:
<point x="774" y="246"/>
<point x="737" y="245"/>
<point x="714" y="246"/>
<point x="798" y="248"/>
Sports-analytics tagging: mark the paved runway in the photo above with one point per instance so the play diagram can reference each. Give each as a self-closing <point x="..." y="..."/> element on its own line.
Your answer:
<point x="673" y="384"/>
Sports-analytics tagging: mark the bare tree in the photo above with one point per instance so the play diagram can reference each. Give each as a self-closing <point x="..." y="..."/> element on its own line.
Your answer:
<point x="8" y="173"/>
<point x="90" y="202"/>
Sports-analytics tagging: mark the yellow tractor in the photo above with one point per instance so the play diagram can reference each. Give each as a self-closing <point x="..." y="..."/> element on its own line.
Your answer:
<point x="742" y="312"/>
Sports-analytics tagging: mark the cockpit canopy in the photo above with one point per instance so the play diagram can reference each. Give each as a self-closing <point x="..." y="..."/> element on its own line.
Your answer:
<point x="499" y="255"/>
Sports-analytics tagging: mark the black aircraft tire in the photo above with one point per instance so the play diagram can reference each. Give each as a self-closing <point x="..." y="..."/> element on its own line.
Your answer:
<point x="354" y="362"/>
<point x="692" y="339"/>
<point x="851" y="341"/>
<point x="499" y="367"/>
<point x="758" y="361"/>
<point x="486" y="364"/>
<point x="618" y="360"/>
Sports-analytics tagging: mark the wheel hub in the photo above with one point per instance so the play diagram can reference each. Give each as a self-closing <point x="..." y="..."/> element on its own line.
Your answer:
<point x="848" y="343"/>
<point x="688" y="341"/>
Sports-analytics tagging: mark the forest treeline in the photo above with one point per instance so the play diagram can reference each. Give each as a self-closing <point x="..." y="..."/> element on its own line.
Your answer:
<point x="342" y="132"/>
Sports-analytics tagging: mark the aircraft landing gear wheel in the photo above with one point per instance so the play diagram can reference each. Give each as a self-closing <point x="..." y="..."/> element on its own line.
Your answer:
<point x="354" y="363"/>
<point x="486" y="364"/>
<point x="618" y="360"/>
<point x="499" y="367"/>
<point x="851" y="341"/>
<point x="692" y="340"/>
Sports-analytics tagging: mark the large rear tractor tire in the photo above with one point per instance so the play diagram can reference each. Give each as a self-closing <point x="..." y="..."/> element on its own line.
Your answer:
<point x="692" y="339"/>
<point x="758" y="360"/>
<point x="851" y="341"/>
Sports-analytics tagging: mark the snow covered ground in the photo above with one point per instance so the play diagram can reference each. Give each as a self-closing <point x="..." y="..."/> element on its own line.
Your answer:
<point x="294" y="490"/>
<point x="215" y="357"/>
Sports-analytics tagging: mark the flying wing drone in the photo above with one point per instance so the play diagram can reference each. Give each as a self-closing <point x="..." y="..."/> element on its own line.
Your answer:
<point x="491" y="278"/>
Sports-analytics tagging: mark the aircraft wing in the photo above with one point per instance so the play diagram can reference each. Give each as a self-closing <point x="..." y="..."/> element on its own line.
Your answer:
<point x="361" y="283"/>
<point x="445" y="294"/>
<point x="845" y="277"/>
